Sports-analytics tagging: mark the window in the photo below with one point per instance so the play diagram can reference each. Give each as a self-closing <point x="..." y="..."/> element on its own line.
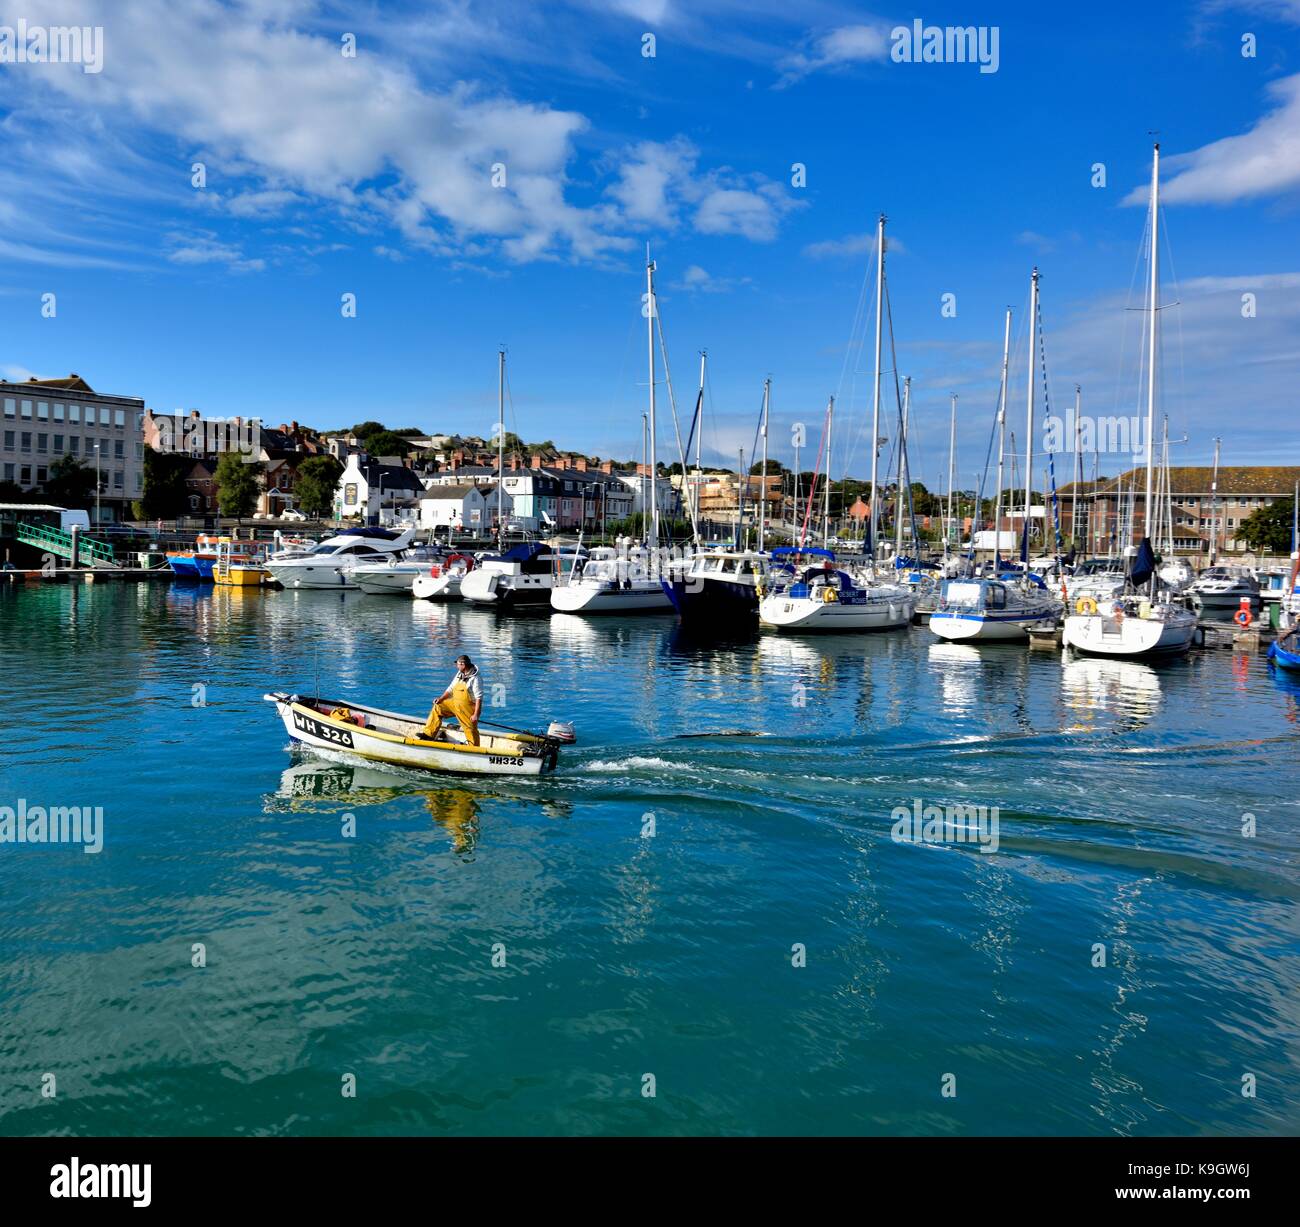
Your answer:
<point x="9" y="472"/>
<point x="137" y="483"/>
<point x="58" y="411"/>
<point x="117" y="479"/>
<point x="90" y="414"/>
<point x="9" y="440"/>
<point x="139" y="451"/>
<point x="42" y="475"/>
<point x="43" y="410"/>
<point x="74" y="445"/>
<point x="27" y="441"/>
<point x="42" y="442"/>
<point x="58" y="444"/>
<point x="27" y="409"/>
<point x="11" y="407"/>
<point x="26" y="477"/>
<point x="74" y="413"/>
<point x="119" y="450"/>
<point x="119" y="417"/>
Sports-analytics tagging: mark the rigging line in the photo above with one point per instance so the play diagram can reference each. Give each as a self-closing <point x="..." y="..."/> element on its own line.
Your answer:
<point x="812" y="490"/>
<point x="858" y="338"/>
<point x="672" y="403"/>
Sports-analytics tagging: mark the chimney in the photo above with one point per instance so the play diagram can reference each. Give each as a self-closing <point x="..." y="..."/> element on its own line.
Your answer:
<point x="514" y="461"/>
<point x="536" y="461"/>
<point x="580" y="464"/>
<point x="607" y="467"/>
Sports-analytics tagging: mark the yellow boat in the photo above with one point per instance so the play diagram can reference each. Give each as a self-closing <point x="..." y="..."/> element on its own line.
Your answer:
<point x="239" y="574"/>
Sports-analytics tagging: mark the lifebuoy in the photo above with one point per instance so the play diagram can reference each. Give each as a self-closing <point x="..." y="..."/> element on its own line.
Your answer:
<point x="453" y="559"/>
<point x="1085" y="605"/>
<point x="1242" y="617"/>
<point x="829" y="596"/>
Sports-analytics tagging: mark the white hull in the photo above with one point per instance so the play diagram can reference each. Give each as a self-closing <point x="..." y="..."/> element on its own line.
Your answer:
<point x="390" y="737"/>
<point x="387" y="581"/>
<point x="442" y="587"/>
<point x="811" y="614"/>
<point x="485" y="586"/>
<point x="987" y="628"/>
<point x="1101" y="635"/>
<point x="582" y="598"/>
<point x="312" y="575"/>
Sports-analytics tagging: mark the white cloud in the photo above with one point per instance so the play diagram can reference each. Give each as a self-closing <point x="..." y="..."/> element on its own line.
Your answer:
<point x="1262" y="162"/>
<point x="208" y="249"/>
<point x="837" y="48"/>
<point x="851" y="246"/>
<point x="661" y="184"/>
<point x="696" y="280"/>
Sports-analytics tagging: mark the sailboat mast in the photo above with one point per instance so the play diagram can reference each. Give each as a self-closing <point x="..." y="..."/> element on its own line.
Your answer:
<point x="1151" y="338"/>
<point x="826" y="491"/>
<point x="651" y="311"/>
<point x="902" y="452"/>
<point x="1078" y="469"/>
<point x="762" y="481"/>
<point x="1029" y="412"/>
<point x="1214" y="506"/>
<point x="1002" y="434"/>
<point x="875" y="391"/>
<point x="952" y="455"/>
<point x="501" y="447"/>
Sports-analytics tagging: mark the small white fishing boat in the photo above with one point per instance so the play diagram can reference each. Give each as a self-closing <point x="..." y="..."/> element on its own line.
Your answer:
<point x="395" y="575"/>
<point x="389" y="737"/>
<point x="441" y="581"/>
<point x="610" y="584"/>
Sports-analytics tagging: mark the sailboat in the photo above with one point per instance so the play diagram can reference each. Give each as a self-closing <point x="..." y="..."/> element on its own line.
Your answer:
<point x="1141" y="623"/>
<point x="1006" y="605"/>
<point x="717" y="590"/>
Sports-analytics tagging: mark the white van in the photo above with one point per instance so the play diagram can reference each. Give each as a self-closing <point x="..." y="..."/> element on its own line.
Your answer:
<point x="68" y="518"/>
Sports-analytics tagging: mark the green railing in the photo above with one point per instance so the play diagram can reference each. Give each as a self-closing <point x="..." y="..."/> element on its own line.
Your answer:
<point x="56" y="541"/>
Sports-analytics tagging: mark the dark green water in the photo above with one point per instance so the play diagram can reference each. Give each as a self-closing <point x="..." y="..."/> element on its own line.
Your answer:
<point x="1120" y="789"/>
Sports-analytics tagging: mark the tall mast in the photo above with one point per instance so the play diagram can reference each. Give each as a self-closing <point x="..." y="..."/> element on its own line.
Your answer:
<point x="762" y="481"/>
<point x="1002" y="434"/>
<point x="902" y="452"/>
<point x="1078" y="469"/>
<point x="875" y="390"/>
<point x="651" y="311"/>
<point x="1214" y="506"/>
<point x="826" y="490"/>
<point x="740" y="502"/>
<point x="1151" y="338"/>
<point x="1029" y="412"/>
<point x="694" y="480"/>
<point x="640" y="481"/>
<point x="501" y="447"/>
<point x="952" y="453"/>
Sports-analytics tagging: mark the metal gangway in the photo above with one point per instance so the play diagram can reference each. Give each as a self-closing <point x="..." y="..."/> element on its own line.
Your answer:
<point x="59" y="542"/>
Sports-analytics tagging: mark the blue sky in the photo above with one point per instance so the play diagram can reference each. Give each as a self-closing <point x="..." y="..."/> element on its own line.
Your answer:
<point x="372" y="175"/>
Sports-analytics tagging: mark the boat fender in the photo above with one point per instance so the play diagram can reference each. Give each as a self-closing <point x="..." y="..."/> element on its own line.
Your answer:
<point x="1198" y="636"/>
<point x="1085" y="605"/>
<point x="830" y="596"/>
<point x="561" y="730"/>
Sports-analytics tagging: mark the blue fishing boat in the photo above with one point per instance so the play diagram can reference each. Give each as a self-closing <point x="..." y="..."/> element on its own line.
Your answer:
<point x="1285" y="650"/>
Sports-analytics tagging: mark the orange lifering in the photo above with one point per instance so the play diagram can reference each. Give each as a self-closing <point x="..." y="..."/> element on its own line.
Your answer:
<point x="467" y="559"/>
<point x="1242" y="617"/>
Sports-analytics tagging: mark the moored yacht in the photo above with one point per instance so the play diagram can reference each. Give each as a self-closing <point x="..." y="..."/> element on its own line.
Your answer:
<point x="609" y="583"/>
<point x="441" y="581"/>
<point x="329" y="564"/>
<point x="394" y="575"/>
<point x="993" y="609"/>
<point x="1224" y="588"/>
<point x="816" y="595"/>
<point x="521" y="577"/>
<point x="717" y="588"/>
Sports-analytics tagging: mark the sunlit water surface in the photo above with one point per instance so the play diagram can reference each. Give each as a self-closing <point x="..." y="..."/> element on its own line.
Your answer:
<point x="771" y="767"/>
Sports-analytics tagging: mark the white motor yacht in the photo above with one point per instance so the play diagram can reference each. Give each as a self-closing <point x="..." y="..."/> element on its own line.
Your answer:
<point x="329" y="564"/>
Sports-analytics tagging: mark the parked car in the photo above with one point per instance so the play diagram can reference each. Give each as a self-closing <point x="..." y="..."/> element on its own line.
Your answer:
<point x="291" y="513"/>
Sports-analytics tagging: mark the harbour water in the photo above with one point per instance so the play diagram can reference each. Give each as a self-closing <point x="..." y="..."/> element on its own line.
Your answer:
<point x="769" y="771"/>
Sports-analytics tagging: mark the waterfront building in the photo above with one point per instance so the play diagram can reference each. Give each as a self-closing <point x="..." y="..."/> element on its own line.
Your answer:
<point x="42" y="420"/>
<point x="368" y="488"/>
<point x="468" y="507"/>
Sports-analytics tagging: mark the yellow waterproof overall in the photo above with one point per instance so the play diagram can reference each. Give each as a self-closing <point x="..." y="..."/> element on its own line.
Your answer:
<point x="460" y="703"/>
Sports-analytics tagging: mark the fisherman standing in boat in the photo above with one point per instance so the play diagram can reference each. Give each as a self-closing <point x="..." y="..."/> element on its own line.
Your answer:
<point x="463" y="699"/>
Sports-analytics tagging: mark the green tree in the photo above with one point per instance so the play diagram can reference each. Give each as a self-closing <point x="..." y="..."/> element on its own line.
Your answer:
<point x="386" y="443"/>
<point x="363" y="431"/>
<point x="773" y="468"/>
<point x="237" y="487"/>
<point x="1267" y="530"/>
<point x="12" y="492"/>
<point x="164" y="494"/>
<point x="71" y="484"/>
<point x="318" y="478"/>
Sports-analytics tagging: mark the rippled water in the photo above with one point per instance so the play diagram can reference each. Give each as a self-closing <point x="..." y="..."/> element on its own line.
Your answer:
<point x="771" y="767"/>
